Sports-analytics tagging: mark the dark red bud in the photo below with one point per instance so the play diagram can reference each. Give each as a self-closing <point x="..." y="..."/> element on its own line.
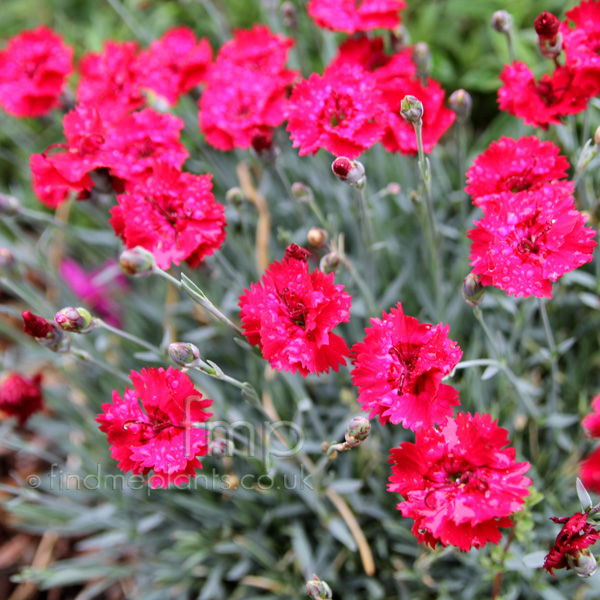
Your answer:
<point x="546" y="25"/>
<point x="36" y="326"/>
<point x="294" y="251"/>
<point x="342" y="167"/>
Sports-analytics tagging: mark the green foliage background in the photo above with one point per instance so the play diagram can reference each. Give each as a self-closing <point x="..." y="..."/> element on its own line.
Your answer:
<point x="247" y="544"/>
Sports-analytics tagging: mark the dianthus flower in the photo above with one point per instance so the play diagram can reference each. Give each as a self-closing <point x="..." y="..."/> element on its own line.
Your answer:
<point x="173" y="215"/>
<point x="591" y="423"/>
<point x="582" y="44"/>
<point x="528" y="240"/>
<point x="290" y="314"/>
<point x="21" y="396"/>
<point x="400" y="135"/>
<point x="369" y="54"/>
<point x="45" y="332"/>
<point x="175" y="64"/>
<point x="399" y="367"/>
<point x="460" y="482"/>
<point x="589" y="471"/>
<point x="575" y="536"/>
<point x="540" y="103"/>
<point x="340" y="111"/>
<point x="111" y="80"/>
<point x="128" y="148"/>
<point x="33" y="69"/>
<point x="510" y="165"/>
<point x="246" y="90"/>
<point x="159" y="435"/>
<point x="96" y="288"/>
<point x="352" y="16"/>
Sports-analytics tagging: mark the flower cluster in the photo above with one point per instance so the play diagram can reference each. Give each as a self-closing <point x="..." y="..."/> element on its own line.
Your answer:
<point x="531" y="233"/>
<point x="290" y="315"/>
<point x="460" y="482"/>
<point x="158" y="435"/>
<point x="246" y="90"/>
<point x="356" y="103"/>
<point x="33" y="70"/>
<point x="21" y="396"/>
<point x="570" y="86"/>
<point x="399" y="367"/>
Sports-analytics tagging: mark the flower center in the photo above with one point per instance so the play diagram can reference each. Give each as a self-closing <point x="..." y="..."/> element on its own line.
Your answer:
<point x="532" y="236"/>
<point x="295" y="306"/>
<point x="407" y="356"/>
<point x="337" y="108"/>
<point x="151" y="430"/>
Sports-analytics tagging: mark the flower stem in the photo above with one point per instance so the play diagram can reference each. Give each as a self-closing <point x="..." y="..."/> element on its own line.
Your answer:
<point x="511" y="50"/>
<point x="87" y="357"/>
<point x="128" y="336"/>
<point x="364" y="215"/>
<point x="553" y="356"/>
<point x="364" y="288"/>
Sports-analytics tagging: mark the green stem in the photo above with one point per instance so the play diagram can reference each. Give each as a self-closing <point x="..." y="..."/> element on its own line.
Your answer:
<point x="511" y="50"/>
<point x="364" y="288"/>
<point x="86" y="357"/>
<point x="488" y="334"/>
<point x="128" y="336"/>
<point x="364" y="215"/>
<point x="553" y="355"/>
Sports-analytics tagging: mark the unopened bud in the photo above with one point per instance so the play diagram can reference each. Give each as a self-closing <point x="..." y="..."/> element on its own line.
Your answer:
<point x="184" y="354"/>
<point x="302" y="193"/>
<point x="349" y="171"/>
<point x="46" y="333"/>
<point x="220" y="448"/>
<point x="472" y="290"/>
<point x="546" y="25"/>
<point x="137" y="262"/>
<point x="588" y="153"/>
<point x="502" y="21"/>
<point x="318" y="589"/>
<point x="330" y="262"/>
<point x="411" y="109"/>
<point x="358" y="431"/>
<point x="551" y="48"/>
<point x="460" y="103"/>
<point x="316" y="237"/>
<point x="421" y="56"/>
<point x="400" y="38"/>
<point x="262" y="144"/>
<point x="597" y="137"/>
<point x="393" y="189"/>
<point x="297" y="253"/>
<point x="289" y="15"/>
<point x="76" y="320"/>
<point x="583" y="562"/>
<point x="7" y="259"/>
<point x="234" y="196"/>
<point x="9" y="205"/>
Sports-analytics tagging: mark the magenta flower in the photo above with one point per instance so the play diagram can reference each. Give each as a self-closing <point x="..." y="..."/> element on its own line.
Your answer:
<point x="399" y="367"/>
<point x="21" y="396"/>
<point x="158" y="435"/>
<point x="290" y="315"/>
<point x="460" y="482"/>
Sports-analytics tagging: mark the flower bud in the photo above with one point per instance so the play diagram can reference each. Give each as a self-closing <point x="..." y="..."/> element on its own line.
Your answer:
<point x="294" y="251"/>
<point x="302" y="193"/>
<point x="588" y="153"/>
<point x="262" y="144"/>
<point x="7" y="259"/>
<point x="358" y="431"/>
<point x="551" y="48"/>
<point x="137" y="262"/>
<point x="76" y="320"/>
<point x="393" y="189"/>
<point x="234" y="196"/>
<point x="546" y="26"/>
<point x="184" y="354"/>
<point x="220" y="448"/>
<point x="583" y="562"/>
<point x="597" y="137"/>
<point x="317" y="237"/>
<point x="411" y="109"/>
<point x="421" y="56"/>
<point x="318" y="590"/>
<point x="289" y="15"/>
<point x="9" y="205"/>
<point x="472" y="290"/>
<point x="460" y="103"/>
<point x="349" y="171"/>
<point x="330" y="262"/>
<point x="502" y="21"/>
<point x="46" y="333"/>
<point x="400" y="38"/>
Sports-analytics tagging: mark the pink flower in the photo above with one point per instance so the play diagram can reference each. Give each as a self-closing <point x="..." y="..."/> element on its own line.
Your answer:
<point x="510" y="165"/>
<point x="399" y="367"/>
<point x="589" y="471"/>
<point x="591" y="423"/>
<point x="246" y="89"/>
<point x="460" y="482"/>
<point x="575" y="536"/>
<point x="159" y="435"/>
<point x="33" y="69"/>
<point x="21" y="396"/>
<point x="175" y="64"/>
<point x="111" y="80"/>
<point x="128" y="148"/>
<point x="540" y="103"/>
<point x="352" y="16"/>
<point x="290" y="314"/>
<point x="173" y="215"/>
<point x="400" y="135"/>
<point x="340" y="111"/>
<point x="93" y="290"/>
<point x="528" y="240"/>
